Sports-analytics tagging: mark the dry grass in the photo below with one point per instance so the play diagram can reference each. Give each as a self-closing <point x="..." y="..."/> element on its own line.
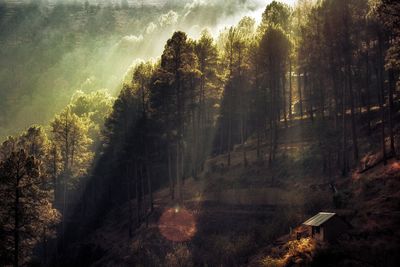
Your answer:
<point x="179" y="257"/>
<point x="294" y="251"/>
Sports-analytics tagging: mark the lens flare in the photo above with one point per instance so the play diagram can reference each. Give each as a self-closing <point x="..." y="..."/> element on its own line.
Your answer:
<point x="177" y="224"/>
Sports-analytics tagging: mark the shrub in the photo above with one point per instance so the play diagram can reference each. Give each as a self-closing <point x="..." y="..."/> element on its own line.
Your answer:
<point x="294" y="251"/>
<point x="179" y="257"/>
<point x="272" y="262"/>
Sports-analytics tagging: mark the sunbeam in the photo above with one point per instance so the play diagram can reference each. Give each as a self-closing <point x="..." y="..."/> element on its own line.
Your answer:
<point x="199" y="133"/>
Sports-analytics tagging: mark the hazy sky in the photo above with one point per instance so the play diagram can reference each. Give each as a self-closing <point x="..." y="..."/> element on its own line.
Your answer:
<point x="103" y="60"/>
<point x="151" y="2"/>
<point x="289" y="2"/>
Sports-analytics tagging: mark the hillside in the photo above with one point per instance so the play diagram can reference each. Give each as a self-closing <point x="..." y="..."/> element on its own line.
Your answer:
<point x="199" y="133"/>
<point x="51" y="49"/>
<point x="237" y="211"/>
<point x="242" y="215"/>
<point x="370" y="203"/>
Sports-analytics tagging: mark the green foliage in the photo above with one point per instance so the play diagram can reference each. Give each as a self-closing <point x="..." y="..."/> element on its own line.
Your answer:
<point x="50" y="49"/>
<point x="95" y="105"/>
<point x="275" y="48"/>
<point x="276" y="14"/>
<point x="387" y="13"/>
<point x="26" y="212"/>
<point x="70" y="138"/>
<point x="161" y="125"/>
<point x="35" y="142"/>
<point x="8" y="146"/>
<point x="93" y="108"/>
<point x="122" y="116"/>
<point x="208" y="56"/>
<point x="173" y="91"/>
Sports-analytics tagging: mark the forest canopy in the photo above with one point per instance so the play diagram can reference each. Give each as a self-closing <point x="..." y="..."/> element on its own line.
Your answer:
<point x="105" y="104"/>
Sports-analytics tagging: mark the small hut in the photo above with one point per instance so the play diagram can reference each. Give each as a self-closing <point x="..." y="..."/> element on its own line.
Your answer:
<point x="326" y="226"/>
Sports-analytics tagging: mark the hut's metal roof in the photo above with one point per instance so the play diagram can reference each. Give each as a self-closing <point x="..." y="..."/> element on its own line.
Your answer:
<point x="319" y="219"/>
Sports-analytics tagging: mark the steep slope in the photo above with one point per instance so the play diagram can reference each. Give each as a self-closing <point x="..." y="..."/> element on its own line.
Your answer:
<point x="370" y="201"/>
<point x="236" y="212"/>
<point x="239" y="216"/>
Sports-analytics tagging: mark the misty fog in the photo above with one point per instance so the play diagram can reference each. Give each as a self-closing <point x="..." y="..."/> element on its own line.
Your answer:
<point x="51" y="48"/>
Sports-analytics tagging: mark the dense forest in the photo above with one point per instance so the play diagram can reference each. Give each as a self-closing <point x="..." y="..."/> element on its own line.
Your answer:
<point x="51" y="48"/>
<point x="217" y="143"/>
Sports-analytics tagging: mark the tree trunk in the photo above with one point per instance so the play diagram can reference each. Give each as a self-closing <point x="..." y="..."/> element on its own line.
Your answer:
<point x="382" y="110"/>
<point x="309" y="85"/>
<point x="137" y="194"/>
<point x="148" y="174"/>
<point x="243" y="129"/>
<point x="128" y="189"/>
<point x="392" y="85"/>
<point x="353" y="120"/>
<point x="55" y="182"/>
<point x="258" y="140"/>
<point x="221" y="138"/>
<point x="344" y="132"/>
<point x="142" y="191"/>
<point x="382" y="96"/>
<point x="171" y="179"/>
<point x="321" y="89"/>
<point x="149" y="186"/>
<point x="299" y="83"/>
<point x="271" y="141"/>
<point x="44" y="241"/>
<point x="290" y="91"/>
<point x="284" y="99"/>
<point x="16" y="223"/>
<point x="271" y="120"/>
<point x="183" y="174"/>
<point x="229" y="136"/>
<point x="64" y="211"/>
<point x="194" y="148"/>
<point x="178" y="172"/>
<point x="276" y="117"/>
<point x="368" y="93"/>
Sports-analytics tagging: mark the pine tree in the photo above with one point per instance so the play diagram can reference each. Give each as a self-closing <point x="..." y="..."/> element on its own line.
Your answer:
<point x="27" y="215"/>
<point x="207" y="55"/>
<point x="70" y="139"/>
<point x="172" y="94"/>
